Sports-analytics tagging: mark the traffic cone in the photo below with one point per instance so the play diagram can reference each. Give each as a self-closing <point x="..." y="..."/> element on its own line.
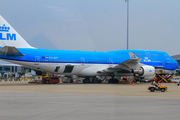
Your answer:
<point x="129" y="82"/>
<point x="133" y="84"/>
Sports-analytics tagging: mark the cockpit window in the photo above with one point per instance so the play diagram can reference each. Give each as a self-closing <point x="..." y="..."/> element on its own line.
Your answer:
<point x="166" y="54"/>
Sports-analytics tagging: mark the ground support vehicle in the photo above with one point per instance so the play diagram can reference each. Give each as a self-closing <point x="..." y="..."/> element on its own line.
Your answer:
<point x="161" y="88"/>
<point x="52" y="80"/>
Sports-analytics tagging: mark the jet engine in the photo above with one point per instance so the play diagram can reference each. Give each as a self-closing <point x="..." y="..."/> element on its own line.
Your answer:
<point x="145" y="71"/>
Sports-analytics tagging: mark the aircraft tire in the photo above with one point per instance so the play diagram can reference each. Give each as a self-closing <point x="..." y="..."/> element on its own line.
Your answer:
<point x="95" y="80"/>
<point x="86" y="81"/>
<point x="116" y="81"/>
<point x="47" y="82"/>
<point x="110" y="81"/>
<point x="99" y="81"/>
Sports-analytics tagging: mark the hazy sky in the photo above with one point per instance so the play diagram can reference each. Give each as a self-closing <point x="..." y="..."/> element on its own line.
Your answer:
<point x="96" y="24"/>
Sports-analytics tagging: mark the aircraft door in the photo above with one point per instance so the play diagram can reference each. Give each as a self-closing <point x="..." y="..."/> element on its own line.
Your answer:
<point x="37" y="60"/>
<point x="82" y="61"/>
<point x="110" y="61"/>
<point x="147" y="54"/>
<point x="163" y="63"/>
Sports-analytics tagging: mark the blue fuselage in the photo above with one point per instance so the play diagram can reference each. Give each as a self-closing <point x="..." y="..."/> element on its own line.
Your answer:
<point x="153" y="58"/>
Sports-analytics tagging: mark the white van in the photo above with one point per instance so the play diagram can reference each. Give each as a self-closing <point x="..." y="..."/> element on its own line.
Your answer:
<point x="176" y="79"/>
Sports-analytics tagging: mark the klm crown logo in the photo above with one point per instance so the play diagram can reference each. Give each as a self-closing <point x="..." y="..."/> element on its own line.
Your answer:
<point x="4" y="28"/>
<point x="6" y="36"/>
<point x="133" y="56"/>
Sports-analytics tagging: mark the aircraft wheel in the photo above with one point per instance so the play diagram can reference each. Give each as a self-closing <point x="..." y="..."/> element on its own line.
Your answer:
<point x="86" y="81"/>
<point x="116" y="81"/>
<point x="110" y="81"/>
<point x="95" y="80"/>
<point x="47" y="81"/>
<point x="71" y="81"/>
<point x="99" y="81"/>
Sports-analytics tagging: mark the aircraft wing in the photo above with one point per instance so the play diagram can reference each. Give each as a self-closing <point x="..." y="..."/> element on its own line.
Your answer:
<point x="126" y="66"/>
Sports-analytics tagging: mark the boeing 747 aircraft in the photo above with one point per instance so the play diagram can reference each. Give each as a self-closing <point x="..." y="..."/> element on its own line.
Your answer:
<point x="138" y="63"/>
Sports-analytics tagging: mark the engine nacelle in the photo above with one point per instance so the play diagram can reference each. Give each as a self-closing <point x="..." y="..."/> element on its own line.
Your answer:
<point x="145" y="71"/>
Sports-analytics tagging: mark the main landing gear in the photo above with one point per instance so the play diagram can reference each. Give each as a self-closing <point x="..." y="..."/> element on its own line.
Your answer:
<point x="86" y="80"/>
<point x="113" y="80"/>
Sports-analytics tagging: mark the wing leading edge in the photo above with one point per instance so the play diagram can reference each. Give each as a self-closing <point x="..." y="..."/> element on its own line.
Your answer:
<point x="126" y="66"/>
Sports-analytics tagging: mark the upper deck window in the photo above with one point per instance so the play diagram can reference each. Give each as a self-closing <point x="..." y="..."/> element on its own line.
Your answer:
<point x="155" y="54"/>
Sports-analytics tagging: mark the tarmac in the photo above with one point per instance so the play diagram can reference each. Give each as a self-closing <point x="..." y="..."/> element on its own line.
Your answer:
<point x="23" y="101"/>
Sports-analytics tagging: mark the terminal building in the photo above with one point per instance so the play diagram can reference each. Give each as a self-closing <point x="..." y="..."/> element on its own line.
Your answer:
<point x="177" y="58"/>
<point x="7" y="70"/>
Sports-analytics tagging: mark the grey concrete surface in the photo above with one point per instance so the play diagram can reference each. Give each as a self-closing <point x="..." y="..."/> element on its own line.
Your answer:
<point x="92" y="89"/>
<point x="53" y="106"/>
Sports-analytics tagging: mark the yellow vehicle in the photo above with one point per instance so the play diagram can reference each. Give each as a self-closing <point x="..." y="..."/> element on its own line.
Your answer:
<point x="162" y="88"/>
<point x="46" y="76"/>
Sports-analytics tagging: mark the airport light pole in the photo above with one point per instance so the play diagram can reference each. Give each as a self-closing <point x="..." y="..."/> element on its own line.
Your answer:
<point x="127" y="23"/>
